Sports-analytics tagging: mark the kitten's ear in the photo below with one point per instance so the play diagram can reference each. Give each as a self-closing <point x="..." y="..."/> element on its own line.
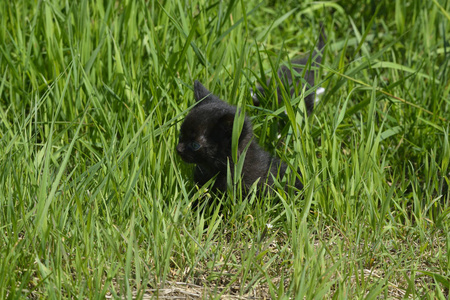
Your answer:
<point x="200" y="92"/>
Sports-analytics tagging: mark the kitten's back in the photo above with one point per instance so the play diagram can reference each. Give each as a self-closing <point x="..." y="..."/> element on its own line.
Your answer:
<point x="291" y="77"/>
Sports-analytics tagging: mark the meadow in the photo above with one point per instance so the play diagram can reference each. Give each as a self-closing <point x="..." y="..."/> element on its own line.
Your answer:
<point x="95" y="203"/>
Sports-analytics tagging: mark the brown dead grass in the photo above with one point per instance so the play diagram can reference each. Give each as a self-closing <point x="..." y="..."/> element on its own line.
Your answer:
<point x="384" y="259"/>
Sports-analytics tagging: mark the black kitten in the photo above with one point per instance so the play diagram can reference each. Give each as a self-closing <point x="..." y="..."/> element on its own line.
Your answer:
<point x="292" y="80"/>
<point x="205" y="140"/>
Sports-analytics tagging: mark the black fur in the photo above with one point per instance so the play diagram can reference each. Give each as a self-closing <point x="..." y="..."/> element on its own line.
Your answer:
<point x="205" y="140"/>
<point x="291" y="80"/>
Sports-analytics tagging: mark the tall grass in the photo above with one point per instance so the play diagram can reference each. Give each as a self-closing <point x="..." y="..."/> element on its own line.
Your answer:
<point x="95" y="203"/>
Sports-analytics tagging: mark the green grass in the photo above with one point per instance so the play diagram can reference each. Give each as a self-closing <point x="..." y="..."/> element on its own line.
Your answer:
<point x="94" y="201"/>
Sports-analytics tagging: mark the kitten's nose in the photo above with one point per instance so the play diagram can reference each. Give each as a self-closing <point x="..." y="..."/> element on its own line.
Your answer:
<point x="180" y="148"/>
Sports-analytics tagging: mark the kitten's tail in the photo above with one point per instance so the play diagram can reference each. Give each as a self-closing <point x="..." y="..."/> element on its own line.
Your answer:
<point x="320" y="44"/>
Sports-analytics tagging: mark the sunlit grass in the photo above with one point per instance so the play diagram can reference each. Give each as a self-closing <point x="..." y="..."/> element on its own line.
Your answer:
<point x="94" y="201"/>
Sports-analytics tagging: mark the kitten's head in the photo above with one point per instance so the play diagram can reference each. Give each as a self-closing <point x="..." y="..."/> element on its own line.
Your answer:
<point x="205" y="135"/>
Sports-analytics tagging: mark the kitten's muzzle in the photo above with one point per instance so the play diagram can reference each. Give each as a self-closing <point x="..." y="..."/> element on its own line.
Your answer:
<point x="181" y="150"/>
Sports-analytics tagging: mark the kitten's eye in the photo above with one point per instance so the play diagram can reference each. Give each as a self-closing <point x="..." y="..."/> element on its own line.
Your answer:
<point x="194" y="146"/>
